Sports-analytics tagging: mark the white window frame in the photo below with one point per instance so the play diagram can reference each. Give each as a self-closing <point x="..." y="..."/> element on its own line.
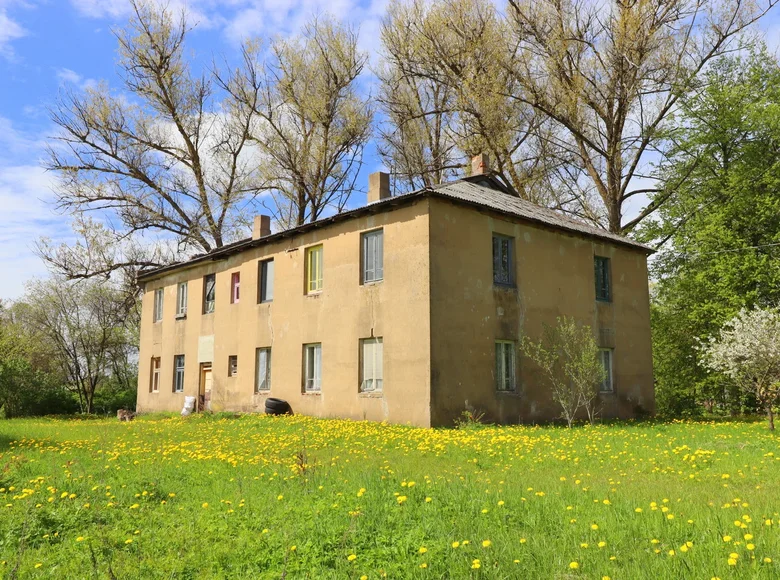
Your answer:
<point x="372" y="371"/>
<point x="233" y="365"/>
<point x="178" y="373"/>
<point x="265" y="291"/>
<point x="263" y="369"/>
<point x="607" y="359"/>
<point x="312" y="367"/>
<point x="159" y="296"/>
<point x="506" y="378"/>
<point x="155" y="386"/>
<point x="181" y="299"/>
<point x="372" y="253"/>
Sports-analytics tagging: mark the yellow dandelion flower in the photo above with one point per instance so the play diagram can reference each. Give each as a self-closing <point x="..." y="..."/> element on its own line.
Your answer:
<point x="422" y="550"/>
<point x="475" y="564"/>
<point x="455" y="544"/>
<point x="574" y="565"/>
<point x="352" y="557"/>
<point x="486" y="543"/>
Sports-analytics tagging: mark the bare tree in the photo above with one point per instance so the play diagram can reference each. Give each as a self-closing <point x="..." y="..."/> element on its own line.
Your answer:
<point x="609" y="74"/>
<point x="166" y="157"/>
<point x="86" y="327"/>
<point x="309" y="123"/>
<point x="455" y="98"/>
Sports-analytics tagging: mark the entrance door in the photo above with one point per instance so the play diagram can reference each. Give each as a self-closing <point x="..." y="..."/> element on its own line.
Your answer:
<point x="205" y="387"/>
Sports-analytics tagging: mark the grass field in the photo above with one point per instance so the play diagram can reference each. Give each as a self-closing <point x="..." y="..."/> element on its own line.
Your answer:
<point x="263" y="497"/>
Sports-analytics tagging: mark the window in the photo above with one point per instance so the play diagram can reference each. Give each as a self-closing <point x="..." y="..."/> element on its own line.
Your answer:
<point x="371" y="365"/>
<point x="181" y="299"/>
<point x="235" y="287"/>
<point x="312" y="368"/>
<point x="232" y="365"/>
<point x="158" y="304"/>
<point x="263" y="369"/>
<point x="314" y="269"/>
<point x="506" y="374"/>
<point x="265" y="275"/>
<point x="603" y="285"/>
<point x="178" y="373"/>
<point x="605" y="356"/>
<point x="154" y="384"/>
<point x="373" y="256"/>
<point x="503" y="260"/>
<point x="209" y="292"/>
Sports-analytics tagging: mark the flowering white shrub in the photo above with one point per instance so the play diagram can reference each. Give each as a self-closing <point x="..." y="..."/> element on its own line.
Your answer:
<point x="748" y="351"/>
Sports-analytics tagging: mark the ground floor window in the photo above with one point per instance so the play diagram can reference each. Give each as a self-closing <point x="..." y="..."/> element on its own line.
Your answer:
<point x="263" y="369"/>
<point x="605" y="356"/>
<point x="178" y="373"/>
<point x="312" y="368"/>
<point x="371" y="351"/>
<point x="154" y="385"/>
<point x="506" y="357"/>
<point x="232" y="365"/>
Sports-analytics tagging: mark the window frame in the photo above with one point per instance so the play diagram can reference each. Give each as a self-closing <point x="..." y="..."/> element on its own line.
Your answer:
<point x="235" y="287"/>
<point x="602" y="276"/>
<point x="310" y="351"/>
<point x="376" y="377"/>
<point x="500" y="374"/>
<point x="378" y="274"/>
<point x="178" y="371"/>
<point x="209" y="305"/>
<point x="159" y="301"/>
<point x="181" y="299"/>
<point x="154" y="381"/>
<point x="267" y="378"/>
<point x="314" y="285"/>
<point x="262" y="279"/>
<point x="232" y="365"/>
<point x="610" y="378"/>
<point x="497" y="260"/>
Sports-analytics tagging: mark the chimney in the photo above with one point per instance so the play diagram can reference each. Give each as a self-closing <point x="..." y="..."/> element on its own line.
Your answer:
<point x="378" y="186"/>
<point x="262" y="227"/>
<point x="480" y="165"/>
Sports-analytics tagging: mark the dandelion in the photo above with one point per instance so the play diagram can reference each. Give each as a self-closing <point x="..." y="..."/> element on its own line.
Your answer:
<point x="352" y="557"/>
<point x="455" y="544"/>
<point x="422" y="550"/>
<point x="486" y="543"/>
<point x="574" y="565"/>
<point x="522" y="540"/>
<point x="80" y="539"/>
<point x="401" y="499"/>
<point x="293" y="548"/>
<point x="726" y="538"/>
<point x="638" y="510"/>
<point x="129" y="541"/>
<point x="475" y="564"/>
<point x="594" y="527"/>
<point x="602" y="544"/>
<point x="750" y="546"/>
<point x="767" y="560"/>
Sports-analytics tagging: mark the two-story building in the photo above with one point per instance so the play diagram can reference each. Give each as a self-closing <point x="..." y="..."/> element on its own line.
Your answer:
<point x="408" y="309"/>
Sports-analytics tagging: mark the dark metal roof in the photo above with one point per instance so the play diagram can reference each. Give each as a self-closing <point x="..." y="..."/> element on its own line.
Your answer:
<point x="482" y="192"/>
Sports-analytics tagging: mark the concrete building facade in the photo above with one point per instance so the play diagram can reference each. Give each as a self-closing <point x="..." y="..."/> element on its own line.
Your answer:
<point x="406" y="310"/>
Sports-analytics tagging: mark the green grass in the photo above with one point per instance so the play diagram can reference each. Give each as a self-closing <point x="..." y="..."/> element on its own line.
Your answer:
<point x="261" y="497"/>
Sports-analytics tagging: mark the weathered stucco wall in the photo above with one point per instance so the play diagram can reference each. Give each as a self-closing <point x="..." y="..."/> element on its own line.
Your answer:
<point x="396" y="309"/>
<point x="554" y="277"/>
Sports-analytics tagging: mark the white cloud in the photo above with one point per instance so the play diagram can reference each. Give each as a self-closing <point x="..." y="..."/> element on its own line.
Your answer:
<point x="121" y="9"/>
<point x="10" y="30"/>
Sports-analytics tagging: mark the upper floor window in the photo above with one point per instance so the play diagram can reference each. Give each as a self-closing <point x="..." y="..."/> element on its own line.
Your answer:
<point x="154" y="385"/>
<point x="158" y="304"/>
<point x="373" y="256"/>
<point x="178" y="373"/>
<point x="263" y="369"/>
<point x="181" y="299"/>
<point x="371" y="365"/>
<point x="232" y="365"/>
<point x="506" y="365"/>
<point x="312" y="368"/>
<point x="235" y="287"/>
<point x="603" y="279"/>
<point x="605" y="356"/>
<point x="503" y="260"/>
<point x="314" y="269"/>
<point x="209" y="292"/>
<point x="265" y="275"/>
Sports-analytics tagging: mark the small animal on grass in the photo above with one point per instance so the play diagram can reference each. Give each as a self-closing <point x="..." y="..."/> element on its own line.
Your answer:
<point x="125" y="415"/>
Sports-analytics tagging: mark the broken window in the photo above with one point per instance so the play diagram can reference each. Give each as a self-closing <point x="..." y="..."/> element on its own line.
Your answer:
<point x="503" y="260"/>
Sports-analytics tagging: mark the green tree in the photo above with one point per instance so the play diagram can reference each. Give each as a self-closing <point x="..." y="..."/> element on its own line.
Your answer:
<point x="720" y="230"/>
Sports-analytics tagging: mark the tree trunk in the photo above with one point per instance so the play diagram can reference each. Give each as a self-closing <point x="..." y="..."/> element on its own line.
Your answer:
<point x="771" y="416"/>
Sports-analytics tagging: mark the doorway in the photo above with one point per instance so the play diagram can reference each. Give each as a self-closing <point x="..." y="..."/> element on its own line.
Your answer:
<point x="204" y="394"/>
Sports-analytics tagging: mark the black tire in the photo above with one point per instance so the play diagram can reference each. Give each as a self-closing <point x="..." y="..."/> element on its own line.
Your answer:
<point x="274" y="406"/>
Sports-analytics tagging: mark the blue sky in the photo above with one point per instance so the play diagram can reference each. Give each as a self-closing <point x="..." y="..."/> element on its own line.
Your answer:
<point x="48" y="44"/>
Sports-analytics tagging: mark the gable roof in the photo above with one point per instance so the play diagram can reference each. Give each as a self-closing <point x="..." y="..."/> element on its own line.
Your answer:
<point x="482" y="192"/>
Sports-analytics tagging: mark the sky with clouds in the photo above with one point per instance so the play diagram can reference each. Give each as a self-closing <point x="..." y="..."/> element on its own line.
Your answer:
<point x="46" y="45"/>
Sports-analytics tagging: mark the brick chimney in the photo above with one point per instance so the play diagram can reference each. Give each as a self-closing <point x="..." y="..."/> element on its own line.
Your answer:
<point x="480" y="164"/>
<point x="378" y="186"/>
<point x="262" y="227"/>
